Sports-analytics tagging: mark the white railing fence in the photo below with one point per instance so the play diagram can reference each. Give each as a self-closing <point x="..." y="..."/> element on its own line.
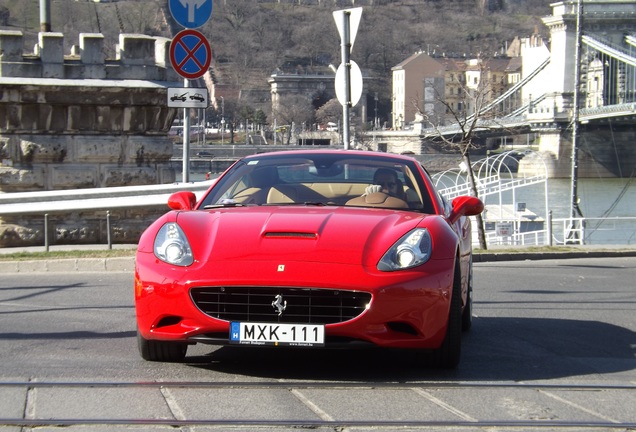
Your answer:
<point x="609" y="231"/>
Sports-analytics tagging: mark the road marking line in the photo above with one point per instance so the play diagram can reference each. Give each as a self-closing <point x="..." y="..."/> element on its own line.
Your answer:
<point x="29" y="403"/>
<point x="444" y="405"/>
<point x="577" y="406"/>
<point x="173" y="405"/>
<point x="312" y="406"/>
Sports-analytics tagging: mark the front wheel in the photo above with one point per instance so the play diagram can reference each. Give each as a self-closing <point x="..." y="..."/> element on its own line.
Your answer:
<point x="161" y="351"/>
<point x="467" y="315"/>
<point x="447" y="356"/>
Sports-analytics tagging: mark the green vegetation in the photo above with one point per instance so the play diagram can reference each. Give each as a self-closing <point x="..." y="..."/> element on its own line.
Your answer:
<point x="29" y="256"/>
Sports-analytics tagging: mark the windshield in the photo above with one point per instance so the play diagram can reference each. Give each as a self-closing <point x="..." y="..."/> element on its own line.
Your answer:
<point x="323" y="179"/>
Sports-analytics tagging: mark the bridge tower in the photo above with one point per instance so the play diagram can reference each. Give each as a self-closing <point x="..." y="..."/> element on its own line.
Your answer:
<point x="607" y="20"/>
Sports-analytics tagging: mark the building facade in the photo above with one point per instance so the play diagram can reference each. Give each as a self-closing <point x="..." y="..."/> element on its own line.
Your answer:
<point x="439" y="88"/>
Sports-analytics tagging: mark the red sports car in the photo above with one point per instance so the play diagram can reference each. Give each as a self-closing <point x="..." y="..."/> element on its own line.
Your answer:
<point x="309" y="249"/>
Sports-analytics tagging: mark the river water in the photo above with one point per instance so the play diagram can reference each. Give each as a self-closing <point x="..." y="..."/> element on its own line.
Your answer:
<point x="597" y="197"/>
<point x="604" y="203"/>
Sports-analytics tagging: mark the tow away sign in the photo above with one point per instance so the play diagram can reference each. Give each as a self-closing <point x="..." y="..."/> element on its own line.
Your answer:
<point x="188" y="97"/>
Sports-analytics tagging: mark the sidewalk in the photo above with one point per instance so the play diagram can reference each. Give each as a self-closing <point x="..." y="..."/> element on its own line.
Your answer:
<point x="496" y="253"/>
<point x="66" y="265"/>
<point x="127" y="263"/>
<point x="55" y="248"/>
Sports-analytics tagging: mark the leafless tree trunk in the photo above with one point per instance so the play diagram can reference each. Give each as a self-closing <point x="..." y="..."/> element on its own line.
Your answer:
<point x="472" y="96"/>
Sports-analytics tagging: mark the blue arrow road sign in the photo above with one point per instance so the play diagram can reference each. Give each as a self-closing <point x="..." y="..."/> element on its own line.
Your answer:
<point x="190" y="54"/>
<point x="190" y="13"/>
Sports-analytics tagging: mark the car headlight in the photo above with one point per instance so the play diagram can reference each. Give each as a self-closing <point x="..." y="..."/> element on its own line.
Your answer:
<point x="413" y="249"/>
<point x="172" y="246"/>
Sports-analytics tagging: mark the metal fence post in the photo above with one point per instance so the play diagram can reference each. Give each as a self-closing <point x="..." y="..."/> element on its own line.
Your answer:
<point x="549" y="228"/>
<point x="110" y="244"/>
<point x="46" y="232"/>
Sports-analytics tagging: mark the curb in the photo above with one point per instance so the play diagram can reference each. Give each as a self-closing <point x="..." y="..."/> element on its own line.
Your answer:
<point x="523" y="256"/>
<point x="71" y="265"/>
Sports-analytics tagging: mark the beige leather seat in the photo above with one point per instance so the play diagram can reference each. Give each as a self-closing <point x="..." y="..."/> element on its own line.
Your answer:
<point x="250" y="196"/>
<point x="412" y="198"/>
<point x="377" y="199"/>
<point x="282" y="194"/>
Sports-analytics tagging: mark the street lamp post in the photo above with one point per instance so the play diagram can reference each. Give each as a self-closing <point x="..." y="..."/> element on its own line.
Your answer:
<point x="375" y="119"/>
<point x="222" y="119"/>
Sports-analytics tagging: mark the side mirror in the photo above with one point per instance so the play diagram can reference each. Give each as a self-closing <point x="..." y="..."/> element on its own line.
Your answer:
<point x="183" y="200"/>
<point x="465" y="206"/>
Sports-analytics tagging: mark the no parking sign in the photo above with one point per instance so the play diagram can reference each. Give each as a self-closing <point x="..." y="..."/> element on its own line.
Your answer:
<point x="190" y="54"/>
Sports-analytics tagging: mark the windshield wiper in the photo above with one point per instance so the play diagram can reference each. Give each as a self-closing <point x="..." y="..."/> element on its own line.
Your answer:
<point x="304" y="203"/>
<point x="221" y="205"/>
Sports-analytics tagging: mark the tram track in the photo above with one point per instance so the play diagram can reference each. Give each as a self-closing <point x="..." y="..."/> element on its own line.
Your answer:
<point x="454" y="415"/>
<point x="339" y="425"/>
<point x="327" y="385"/>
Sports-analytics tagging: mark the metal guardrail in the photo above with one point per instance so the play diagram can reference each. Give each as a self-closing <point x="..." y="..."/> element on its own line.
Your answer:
<point x="23" y="203"/>
<point x="100" y="199"/>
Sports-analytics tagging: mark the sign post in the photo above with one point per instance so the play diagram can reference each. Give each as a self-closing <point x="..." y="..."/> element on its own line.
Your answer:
<point x="190" y="55"/>
<point x="185" y="155"/>
<point x="347" y="21"/>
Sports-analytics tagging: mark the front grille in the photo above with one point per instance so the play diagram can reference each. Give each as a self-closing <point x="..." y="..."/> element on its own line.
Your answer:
<point x="303" y="305"/>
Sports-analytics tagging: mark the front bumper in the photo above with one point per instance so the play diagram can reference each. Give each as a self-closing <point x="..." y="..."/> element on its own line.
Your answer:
<point x="407" y="309"/>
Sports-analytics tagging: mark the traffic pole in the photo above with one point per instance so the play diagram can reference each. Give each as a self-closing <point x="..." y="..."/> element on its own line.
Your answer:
<point x="345" y="51"/>
<point x="185" y="170"/>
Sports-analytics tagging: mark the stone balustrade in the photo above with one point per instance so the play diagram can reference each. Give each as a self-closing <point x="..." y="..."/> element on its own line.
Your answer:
<point x="138" y="57"/>
<point x="81" y="120"/>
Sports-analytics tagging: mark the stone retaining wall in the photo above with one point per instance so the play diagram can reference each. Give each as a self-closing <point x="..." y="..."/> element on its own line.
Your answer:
<point x="80" y="120"/>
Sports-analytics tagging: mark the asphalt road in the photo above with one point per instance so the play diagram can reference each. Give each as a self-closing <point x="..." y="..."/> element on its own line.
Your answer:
<point x="553" y="345"/>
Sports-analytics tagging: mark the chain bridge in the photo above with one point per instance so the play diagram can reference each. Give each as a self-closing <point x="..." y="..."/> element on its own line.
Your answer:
<point x="598" y="37"/>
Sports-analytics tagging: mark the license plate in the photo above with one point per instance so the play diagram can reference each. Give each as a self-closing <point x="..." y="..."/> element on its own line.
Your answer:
<point x="302" y="335"/>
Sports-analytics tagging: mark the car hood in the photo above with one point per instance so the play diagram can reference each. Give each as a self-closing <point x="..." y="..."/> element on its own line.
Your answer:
<point x="325" y="234"/>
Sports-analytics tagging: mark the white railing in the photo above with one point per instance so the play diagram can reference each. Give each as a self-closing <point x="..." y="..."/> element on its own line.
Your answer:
<point x="607" y="231"/>
<point x="531" y="238"/>
<point x="568" y="231"/>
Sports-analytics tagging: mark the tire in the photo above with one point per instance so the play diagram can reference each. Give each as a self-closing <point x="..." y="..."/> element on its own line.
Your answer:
<point x="467" y="315"/>
<point x="161" y="351"/>
<point x="448" y="355"/>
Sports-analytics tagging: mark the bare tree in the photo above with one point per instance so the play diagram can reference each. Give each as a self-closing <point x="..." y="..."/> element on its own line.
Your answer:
<point x="329" y="112"/>
<point x="141" y="19"/>
<point x="291" y="111"/>
<point x="463" y="112"/>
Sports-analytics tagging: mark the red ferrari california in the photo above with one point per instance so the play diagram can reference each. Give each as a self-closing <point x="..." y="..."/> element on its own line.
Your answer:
<point x="325" y="248"/>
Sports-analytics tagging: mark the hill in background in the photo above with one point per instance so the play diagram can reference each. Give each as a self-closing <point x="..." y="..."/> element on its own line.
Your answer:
<point x="252" y="38"/>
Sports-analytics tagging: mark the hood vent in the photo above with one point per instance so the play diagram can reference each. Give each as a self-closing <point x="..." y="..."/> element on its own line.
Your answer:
<point x="291" y="235"/>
